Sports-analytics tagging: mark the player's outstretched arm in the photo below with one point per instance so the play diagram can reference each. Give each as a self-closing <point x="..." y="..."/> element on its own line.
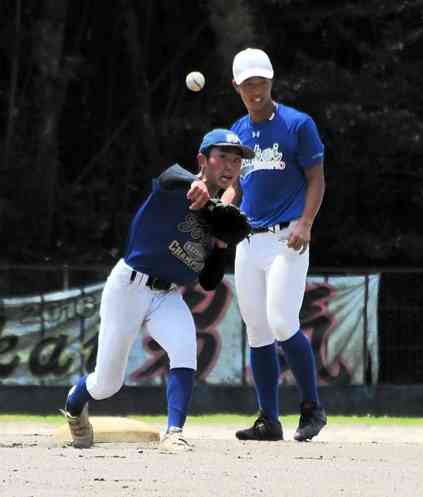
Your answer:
<point x="178" y="178"/>
<point x="232" y="194"/>
<point x="198" y="195"/>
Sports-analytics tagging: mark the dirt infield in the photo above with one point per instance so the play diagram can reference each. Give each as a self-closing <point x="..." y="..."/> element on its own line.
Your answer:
<point x="375" y="461"/>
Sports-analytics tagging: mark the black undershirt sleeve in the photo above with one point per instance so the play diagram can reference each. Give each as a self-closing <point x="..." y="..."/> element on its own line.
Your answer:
<point x="214" y="269"/>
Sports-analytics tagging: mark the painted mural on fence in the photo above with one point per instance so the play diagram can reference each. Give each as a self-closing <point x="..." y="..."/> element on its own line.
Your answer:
<point x="51" y="339"/>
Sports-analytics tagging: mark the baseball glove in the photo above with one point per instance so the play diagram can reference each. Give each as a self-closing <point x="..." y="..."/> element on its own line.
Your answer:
<point x="226" y="221"/>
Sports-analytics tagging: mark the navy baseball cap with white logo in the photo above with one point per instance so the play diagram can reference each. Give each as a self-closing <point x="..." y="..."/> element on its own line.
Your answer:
<point x="220" y="137"/>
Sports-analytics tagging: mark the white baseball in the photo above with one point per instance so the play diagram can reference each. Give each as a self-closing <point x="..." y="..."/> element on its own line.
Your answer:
<point x="195" y="81"/>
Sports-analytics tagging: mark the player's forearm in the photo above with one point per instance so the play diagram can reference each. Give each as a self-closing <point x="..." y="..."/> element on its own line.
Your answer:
<point x="314" y="196"/>
<point x="232" y="194"/>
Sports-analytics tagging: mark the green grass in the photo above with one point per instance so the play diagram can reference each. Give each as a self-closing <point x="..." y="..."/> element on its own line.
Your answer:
<point x="229" y="419"/>
<point x="30" y="418"/>
<point x="235" y="419"/>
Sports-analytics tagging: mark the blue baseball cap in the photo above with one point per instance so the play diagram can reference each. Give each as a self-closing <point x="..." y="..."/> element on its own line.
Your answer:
<point x="220" y="137"/>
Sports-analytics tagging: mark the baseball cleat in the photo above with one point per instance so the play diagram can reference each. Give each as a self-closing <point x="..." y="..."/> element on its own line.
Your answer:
<point x="262" y="429"/>
<point x="173" y="442"/>
<point x="81" y="429"/>
<point x="312" y="420"/>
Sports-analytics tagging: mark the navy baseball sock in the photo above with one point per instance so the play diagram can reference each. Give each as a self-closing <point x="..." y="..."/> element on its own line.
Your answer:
<point x="265" y="367"/>
<point x="283" y="363"/>
<point x="180" y="383"/>
<point x="78" y="396"/>
<point x="300" y="357"/>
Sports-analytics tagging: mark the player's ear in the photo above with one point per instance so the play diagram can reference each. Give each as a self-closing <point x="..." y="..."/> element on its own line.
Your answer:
<point x="236" y="87"/>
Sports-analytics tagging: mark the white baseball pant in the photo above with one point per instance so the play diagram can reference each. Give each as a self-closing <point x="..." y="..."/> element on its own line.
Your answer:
<point x="270" y="281"/>
<point x="125" y="307"/>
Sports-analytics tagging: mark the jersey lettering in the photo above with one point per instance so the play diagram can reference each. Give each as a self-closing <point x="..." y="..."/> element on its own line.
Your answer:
<point x="192" y="224"/>
<point x="177" y="251"/>
<point x="268" y="158"/>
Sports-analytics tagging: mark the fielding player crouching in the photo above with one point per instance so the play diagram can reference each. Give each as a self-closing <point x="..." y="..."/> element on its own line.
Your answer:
<point x="171" y="243"/>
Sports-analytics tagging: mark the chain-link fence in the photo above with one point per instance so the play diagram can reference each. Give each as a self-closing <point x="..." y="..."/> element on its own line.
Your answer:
<point x="19" y="280"/>
<point x="400" y="308"/>
<point x="400" y="314"/>
<point x="400" y="327"/>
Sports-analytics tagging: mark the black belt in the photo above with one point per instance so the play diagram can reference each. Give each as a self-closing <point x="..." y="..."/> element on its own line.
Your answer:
<point x="152" y="282"/>
<point x="266" y="229"/>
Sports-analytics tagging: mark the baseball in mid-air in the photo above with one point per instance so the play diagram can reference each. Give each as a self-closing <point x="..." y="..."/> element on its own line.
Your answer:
<point x="195" y="81"/>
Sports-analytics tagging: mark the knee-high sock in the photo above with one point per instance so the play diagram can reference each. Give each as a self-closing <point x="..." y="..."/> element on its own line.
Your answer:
<point x="300" y="357"/>
<point x="180" y="384"/>
<point x="265" y="368"/>
<point x="78" y="396"/>
<point x="283" y="363"/>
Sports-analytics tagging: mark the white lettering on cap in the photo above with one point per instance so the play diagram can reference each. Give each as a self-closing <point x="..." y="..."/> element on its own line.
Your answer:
<point x="232" y="138"/>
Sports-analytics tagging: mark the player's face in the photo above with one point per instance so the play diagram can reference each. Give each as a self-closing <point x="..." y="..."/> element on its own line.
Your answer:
<point x="255" y="93"/>
<point x="222" y="167"/>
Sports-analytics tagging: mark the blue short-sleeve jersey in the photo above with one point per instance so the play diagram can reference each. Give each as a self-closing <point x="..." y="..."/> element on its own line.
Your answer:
<point x="273" y="183"/>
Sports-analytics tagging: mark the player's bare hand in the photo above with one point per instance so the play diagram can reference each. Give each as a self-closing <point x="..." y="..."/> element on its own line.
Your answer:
<point x="198" y="195"/>
<point x="300" y="236"/>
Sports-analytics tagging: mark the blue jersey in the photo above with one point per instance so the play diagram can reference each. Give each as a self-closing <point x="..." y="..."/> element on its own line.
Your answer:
<point x="167" y="240"/>
<point x="273" y="183"/>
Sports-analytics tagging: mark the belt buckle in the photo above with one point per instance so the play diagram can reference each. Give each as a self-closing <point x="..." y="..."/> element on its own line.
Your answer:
<point x="158" y="285"/>
<point x="153" y="283"/>
<point x="279" y="227"/>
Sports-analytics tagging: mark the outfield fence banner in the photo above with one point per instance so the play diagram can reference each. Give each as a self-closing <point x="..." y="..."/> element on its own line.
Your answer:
<point x="51" y="339"/>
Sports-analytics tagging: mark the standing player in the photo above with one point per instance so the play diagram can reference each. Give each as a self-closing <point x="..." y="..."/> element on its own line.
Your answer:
<point x="282" y="190"/>
<point x="170" y="243"/>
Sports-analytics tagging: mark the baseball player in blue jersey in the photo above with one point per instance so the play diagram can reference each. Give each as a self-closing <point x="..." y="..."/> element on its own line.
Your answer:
<point x="282" y="189"/>
<point x="169" y="244"/>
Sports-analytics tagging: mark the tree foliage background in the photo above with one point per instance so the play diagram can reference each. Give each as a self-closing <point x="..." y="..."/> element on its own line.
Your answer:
<point x="93" y="105"/>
